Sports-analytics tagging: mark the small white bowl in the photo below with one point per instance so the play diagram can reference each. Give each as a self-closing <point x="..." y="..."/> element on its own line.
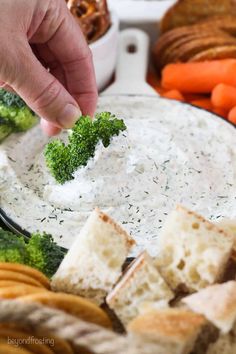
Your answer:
<point x="104" y="52"/>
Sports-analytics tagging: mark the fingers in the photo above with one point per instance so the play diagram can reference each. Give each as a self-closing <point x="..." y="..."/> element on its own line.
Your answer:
<point x="48" y="59"/>
<point x="76" y="60"/>
<point x="49" y="129"/>
<point x="42" y="91"/>
<point x="60" y="95"/>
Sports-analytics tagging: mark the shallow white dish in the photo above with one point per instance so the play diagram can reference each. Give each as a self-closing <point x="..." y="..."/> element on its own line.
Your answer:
<point x="104" y="52"/>
<point x="195" y="161"/>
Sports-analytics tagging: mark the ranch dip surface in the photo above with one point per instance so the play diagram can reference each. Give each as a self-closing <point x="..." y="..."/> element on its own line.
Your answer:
<point x="171" y="153"/>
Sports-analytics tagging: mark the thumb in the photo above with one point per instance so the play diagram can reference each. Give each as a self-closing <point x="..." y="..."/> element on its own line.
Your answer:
<point x="44" y="94"/>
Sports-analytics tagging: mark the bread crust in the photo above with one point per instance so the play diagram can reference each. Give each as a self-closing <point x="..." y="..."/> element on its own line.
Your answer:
<point x="130" y="242"/>
<point x="141" y="285"/>
<point x="193" y="252"/>
<point x="217" y="303"/>
<point x="169" y="323"/>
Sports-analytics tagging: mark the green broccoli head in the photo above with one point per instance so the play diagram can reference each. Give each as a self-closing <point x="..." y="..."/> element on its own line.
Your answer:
<point x="15" y="110"/>
<point x="6" y="128"/>
<point x="56" y="153"/>
<point x="24" y="120"/>
<point x="82" y="142"/>
<point x="44" y="254"/>
<point x="21" y="119"/>
<point x="40" y="252"/>
<point x="12" y="248"/>
<point x="63" y="160"/>
<point x="107" y="126"/>
<point x="11" y="99"/>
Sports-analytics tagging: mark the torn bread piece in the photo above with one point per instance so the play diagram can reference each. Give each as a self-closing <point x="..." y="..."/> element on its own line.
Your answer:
<point x="173" y="331"/>
<point x="94" y="262"/>
<point x="229" y="226"/>
<point x="142" y="285"/>
<point x="217" y="303"/>
<point x="192" y="252"/>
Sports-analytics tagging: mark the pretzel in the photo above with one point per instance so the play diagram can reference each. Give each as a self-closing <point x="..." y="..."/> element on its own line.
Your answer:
<point x="92" y="15"/>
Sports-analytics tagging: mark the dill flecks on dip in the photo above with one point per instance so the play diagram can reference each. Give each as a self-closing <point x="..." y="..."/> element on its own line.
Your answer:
<point x="15" y="115"/>
<point x="63" y="160"/>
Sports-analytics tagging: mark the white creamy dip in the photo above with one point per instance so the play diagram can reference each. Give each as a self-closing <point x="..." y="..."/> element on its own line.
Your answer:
<point x="171" y="153"/>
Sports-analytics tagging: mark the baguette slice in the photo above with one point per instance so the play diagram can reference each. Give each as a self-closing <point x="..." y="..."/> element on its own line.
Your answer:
<point x="94" y="263"/>
<point x="141" y="285"/>
<point x="193" y="253"/>
<point x="217" y="303"/>
<point x="173" y="331"/>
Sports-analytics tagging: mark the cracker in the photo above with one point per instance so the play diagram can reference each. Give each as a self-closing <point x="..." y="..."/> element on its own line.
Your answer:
<point x="186" y="12"/>
<point x="72" y="304"/>
<point x="168" y="47"/>
<point x="221" y="52"/>
<point x="18" y="277"/>
<point x="7" y="283"/>
<point x="178" y="36"/>
<point x="31" y="346"/>
<point x="188" y="50"/>
<point x="29" y="271"/>
<point x="60" y="346"/>
<point x="8" y="349"/>
<point x="14" y="292"/>
<point x="173" y="51"/>
<point x="171" y="37"/>
<point x="225" y="23"/>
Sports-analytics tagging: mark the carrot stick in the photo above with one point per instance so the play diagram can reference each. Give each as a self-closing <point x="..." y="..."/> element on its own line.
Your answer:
<point x="173" y="95"/>
<point x="232" y="115"/>
<point x="194" y="96"/>
<point x="203" y="103"/>
<point x="199" y="77"/>
<point x="224" y="96"/>
<point x="220" y="112"/>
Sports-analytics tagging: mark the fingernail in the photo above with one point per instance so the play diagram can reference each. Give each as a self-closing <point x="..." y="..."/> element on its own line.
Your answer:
<point x="69" y="115"/>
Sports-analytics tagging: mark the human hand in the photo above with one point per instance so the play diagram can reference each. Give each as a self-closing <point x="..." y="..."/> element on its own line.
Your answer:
<point x="37" y="35"/>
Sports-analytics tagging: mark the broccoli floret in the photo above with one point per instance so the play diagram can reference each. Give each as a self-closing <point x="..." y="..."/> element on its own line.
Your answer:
<point x="6" y="128"/>
<point x="15" y="110"/>
<point x="40" y="252"/>
<point x="57" y="153"/>
<point x="108" y="126"/>
<point x="63" y="160"/>
<point x="12" y="248"/>
<point x="11" y="99"/>
<point x="21" y="119"/>
<point x="24" y="119"/>
<point x="44" y="254"/>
